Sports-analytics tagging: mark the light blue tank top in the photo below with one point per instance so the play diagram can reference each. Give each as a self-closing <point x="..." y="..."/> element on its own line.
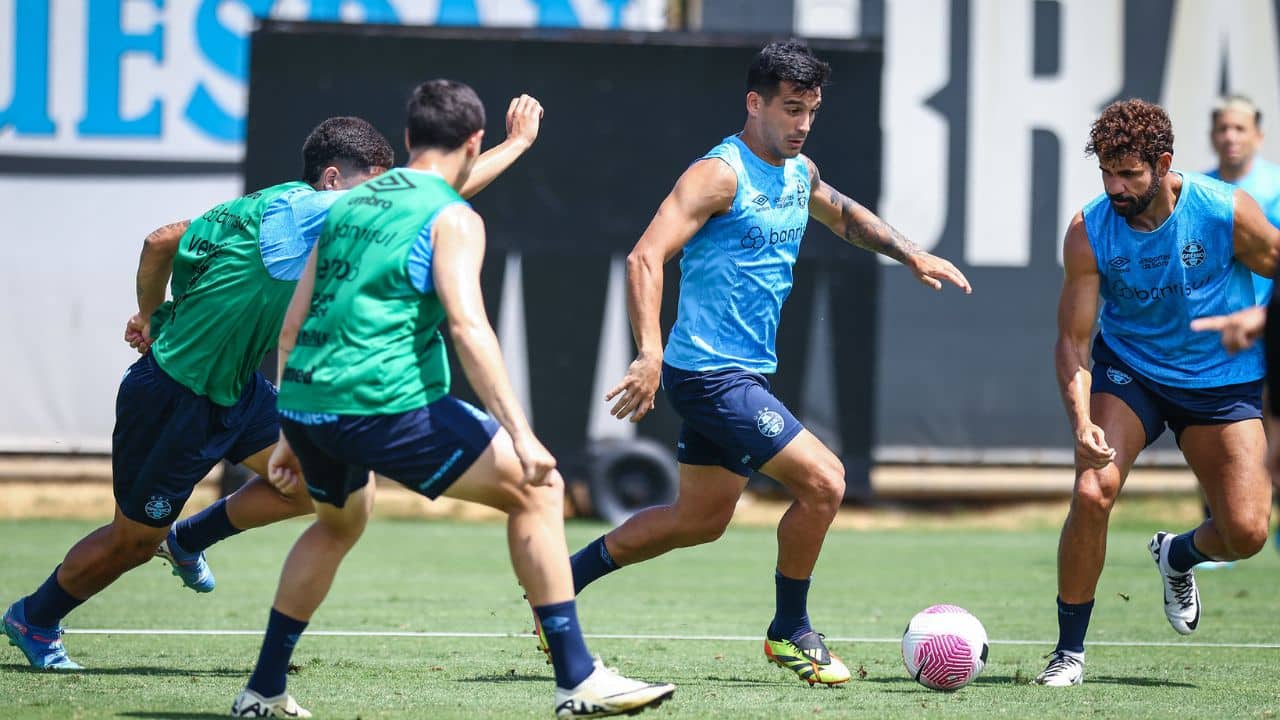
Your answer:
<point x="1263" y="184"/>
<point x="1154" y="283"/>
<point x="736" y="270"/>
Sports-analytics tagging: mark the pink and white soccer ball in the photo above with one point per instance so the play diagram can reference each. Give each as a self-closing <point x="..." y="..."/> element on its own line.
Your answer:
<point x="944" y="647"/>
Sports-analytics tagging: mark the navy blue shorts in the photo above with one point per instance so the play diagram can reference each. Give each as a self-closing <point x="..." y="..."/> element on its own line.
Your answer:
<point x="168" y="438"/>
<point x="730" y="418"/>
<point x="1157" y="404"/>
<point x="426" y="450"/>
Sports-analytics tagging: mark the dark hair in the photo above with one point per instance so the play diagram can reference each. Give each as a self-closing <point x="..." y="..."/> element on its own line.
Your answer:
<point x="1131" y="127"/>
<point x="791" y="61"/>
<point x="443" y="114"/>
<point x="348" y="140"/>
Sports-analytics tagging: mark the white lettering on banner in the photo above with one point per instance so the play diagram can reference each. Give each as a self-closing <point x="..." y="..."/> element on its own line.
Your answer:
<point x="917" y="65"/>
<point x="1204" y="36"/>
<point x="167" y="79"/>
<point x="1007" y="102"/>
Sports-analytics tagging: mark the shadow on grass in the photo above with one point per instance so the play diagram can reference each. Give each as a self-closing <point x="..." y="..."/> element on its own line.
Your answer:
<point x="743" y="682"/>
<point x="1137" y="682"/>
<point x="507" y="677"/>
<point x="1006" y="680"/>
<point x="173" y="715"/>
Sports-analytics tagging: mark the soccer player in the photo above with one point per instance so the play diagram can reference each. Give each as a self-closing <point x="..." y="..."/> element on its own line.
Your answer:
<point x="195" y="396"/>
<point x="1237" y="138"/>
<point x="738" y="214"/>
<point x="1160" y="248"/>
<point x="365" y="388"/>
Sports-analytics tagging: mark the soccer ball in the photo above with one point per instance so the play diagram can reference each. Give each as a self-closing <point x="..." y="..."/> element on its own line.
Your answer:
<point x="944" y="647"/>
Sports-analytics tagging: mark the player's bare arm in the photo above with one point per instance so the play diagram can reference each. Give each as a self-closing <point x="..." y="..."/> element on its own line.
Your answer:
<point x="1077" y="313"/>
<point x="862" y="228"/>
<point x="524" y="119"/>
<point x="1256" y="240"/>
<point x="458" y="240"/>
<point x="705" y="189"/>
<point x="155" y="264"/>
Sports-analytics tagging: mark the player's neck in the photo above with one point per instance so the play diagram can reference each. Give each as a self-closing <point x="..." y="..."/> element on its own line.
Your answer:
<point x="1161" y="207"/>
<point x="447" y="165"/>
<point x="751" y="137"/>
<point x="1235" y="173"/>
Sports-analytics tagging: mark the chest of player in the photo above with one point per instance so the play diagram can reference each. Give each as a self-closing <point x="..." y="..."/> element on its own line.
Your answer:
<point x="765" y="224"/>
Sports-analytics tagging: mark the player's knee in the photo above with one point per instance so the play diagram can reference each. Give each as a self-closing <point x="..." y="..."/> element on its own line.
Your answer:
<point x="826" y="485"/>
<point x="1244" y="537"/>
<point x="1094" y="495"/>
<point x="132" y="549"/>
<point x="542" y="499"/>
<point x="706" y="528"/>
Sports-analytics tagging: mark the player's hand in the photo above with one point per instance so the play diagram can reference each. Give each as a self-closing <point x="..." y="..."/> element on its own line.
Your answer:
<point x="1092" y="449"/>
<point x="536" y="461"/>
<point x="932" y="270"/>
<point x="524" y="119"/>
<point x="137" y="332"/>
<point x="1240" y="329"/>
<point x="636" y="391"/>
<point x="284" y="472"/>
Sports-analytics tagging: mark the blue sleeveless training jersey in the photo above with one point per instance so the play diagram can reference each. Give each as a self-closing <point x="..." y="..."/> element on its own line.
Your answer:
<point x="1154" y="283"/>
<point x="1263" y="184"/>
<point x="736" y="270"/>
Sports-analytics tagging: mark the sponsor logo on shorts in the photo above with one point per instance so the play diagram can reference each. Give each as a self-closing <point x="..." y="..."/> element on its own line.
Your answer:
<point x="1118" y="377"/>
<point x="769" y="423"/>
<point x="158" y="508"/>
<point x="1192" y="254"/>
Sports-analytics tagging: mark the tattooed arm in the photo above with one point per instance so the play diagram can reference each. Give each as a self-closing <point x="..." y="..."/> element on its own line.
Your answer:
<point x="155" y="264"/>
<point x="862" y="228"/>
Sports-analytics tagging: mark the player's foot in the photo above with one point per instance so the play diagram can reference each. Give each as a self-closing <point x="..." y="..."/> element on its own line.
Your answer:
<point x="1065" y="669"/>
<point x="189" y="566"/>
<point x="807" y="657"/>
<point x="42" y="646"/>
<point x="251" y="704"/>
<point x="606" y="693"/>
<point x="1181" y="597"/>
<point x="537" y="631"/>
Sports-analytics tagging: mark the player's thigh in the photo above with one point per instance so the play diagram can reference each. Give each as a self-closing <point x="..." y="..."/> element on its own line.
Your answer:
<point x="708" y="493"/>
<point x="1124" y="428"/>
<point x="257" y="462"/>
<point x="805" y="465"/>
<point x="1229" y="460"/>
<point x="496" y="479"/>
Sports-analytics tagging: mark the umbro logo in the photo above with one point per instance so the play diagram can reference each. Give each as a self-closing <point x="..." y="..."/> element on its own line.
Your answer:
<point x="760" y="200"/>
<point x="389" y="182"/>
<point x="1120" y="263"/>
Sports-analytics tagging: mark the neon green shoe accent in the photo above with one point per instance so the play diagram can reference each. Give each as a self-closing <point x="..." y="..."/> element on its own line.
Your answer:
<point x="808" y="658"/>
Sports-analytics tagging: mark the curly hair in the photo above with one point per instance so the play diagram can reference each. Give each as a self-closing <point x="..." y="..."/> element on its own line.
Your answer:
<point x="1131" y="128"/>
<point x="350" y="140"/>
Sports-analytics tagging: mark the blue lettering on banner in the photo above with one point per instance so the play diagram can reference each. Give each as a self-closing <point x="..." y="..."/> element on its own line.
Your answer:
<point x="556" y="13"/>
<point x="228" y="51"/>
<point x="28" y="111"/>
<point x="458" y="12"/>
<point x="375" y="11"/>
<point x="108" y="43"/>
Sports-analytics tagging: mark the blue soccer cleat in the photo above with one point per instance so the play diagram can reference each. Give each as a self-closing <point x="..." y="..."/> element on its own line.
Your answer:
<point x="42" y="646"/>
<point x="191" y="567"/>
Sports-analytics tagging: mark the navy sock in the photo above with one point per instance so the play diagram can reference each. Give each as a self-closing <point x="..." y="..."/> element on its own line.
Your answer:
<point x="49" y="603"/>
<point x="590" y="564"/>
<point x="268" y="679"/>
<point x="205" y="528"/>
<point x="569" y="655"/>
<point x="1183" y="553"/>
<point x="1073" y="623"/>
<point x="791" y="618"/>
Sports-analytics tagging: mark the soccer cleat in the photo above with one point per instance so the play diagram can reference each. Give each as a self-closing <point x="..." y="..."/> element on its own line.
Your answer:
<point x="1181" y="597"/>
<point x="807" y="657"/>
<point x="1065" y="669"/>
<point x="605" y="693"/>
<point x="251" y="704"/>
<point x="191" y="567"/>
<point x="42" y="646"/>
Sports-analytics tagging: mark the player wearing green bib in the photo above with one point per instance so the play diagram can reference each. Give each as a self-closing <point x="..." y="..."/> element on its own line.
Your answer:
<point x="365" y="389"/>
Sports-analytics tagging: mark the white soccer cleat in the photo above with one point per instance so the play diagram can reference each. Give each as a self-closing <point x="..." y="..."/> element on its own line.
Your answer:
<point x="1065" y="669"/>
<point x="1181" y="597"/>
<point x="251" y="704"/>
<point x="606" y="693"/>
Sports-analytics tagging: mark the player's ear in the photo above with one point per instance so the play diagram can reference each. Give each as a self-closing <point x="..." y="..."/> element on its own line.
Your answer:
<point x="474" y="143"/>
<point x="1163" y="163"/>
<point x="330" y="178"/>
<point x="754" y="103"/>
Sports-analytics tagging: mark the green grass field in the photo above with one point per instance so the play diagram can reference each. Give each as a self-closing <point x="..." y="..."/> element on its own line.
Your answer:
<point x="450" y="577"/>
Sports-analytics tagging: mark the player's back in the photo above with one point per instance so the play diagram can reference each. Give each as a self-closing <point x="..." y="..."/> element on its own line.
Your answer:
<point x="1154" y="283"/>
<point x="371" y="344"/>
<point x="227" y="307"/>
<point x="736" y="271"/>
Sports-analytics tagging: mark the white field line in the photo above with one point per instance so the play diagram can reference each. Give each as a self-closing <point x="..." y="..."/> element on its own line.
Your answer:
<point x="623" y="636"/>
